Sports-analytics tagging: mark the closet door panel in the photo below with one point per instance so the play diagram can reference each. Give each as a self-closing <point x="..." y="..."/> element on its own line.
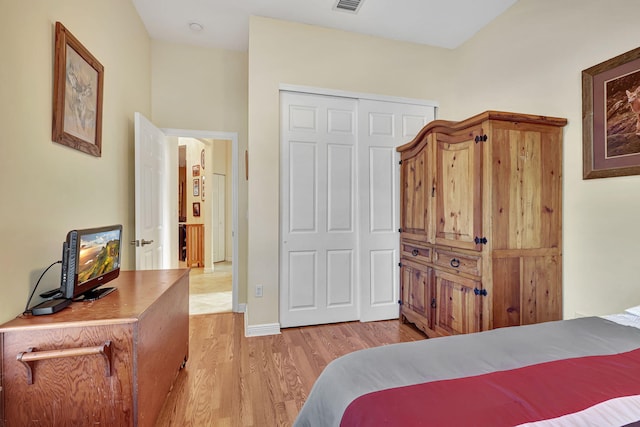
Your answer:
<point x="318" y="245"/>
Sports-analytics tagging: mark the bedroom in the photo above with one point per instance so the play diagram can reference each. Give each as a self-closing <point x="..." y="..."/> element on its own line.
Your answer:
<point x="528" y="60"/>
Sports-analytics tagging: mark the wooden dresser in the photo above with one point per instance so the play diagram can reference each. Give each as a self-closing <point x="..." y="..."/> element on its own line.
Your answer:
<point x="481" y="223"/>
<point x="109" y="362"/>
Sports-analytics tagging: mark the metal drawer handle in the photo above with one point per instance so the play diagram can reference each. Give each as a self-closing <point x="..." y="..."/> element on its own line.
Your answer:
<point x="455" y="262"/>
<point x="415" y="252"/>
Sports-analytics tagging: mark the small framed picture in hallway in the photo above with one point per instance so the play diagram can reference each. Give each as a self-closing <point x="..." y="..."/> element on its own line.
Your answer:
<point x="196" y="187"/>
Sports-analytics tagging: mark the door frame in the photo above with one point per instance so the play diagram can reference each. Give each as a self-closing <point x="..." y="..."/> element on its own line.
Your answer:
<point x="233" y="137"/>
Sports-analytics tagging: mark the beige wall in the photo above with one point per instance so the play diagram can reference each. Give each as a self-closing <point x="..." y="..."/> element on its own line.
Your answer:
<point x="47" y="189"/>
<point x="530" y="60"/>
<point x="287" y="53"/>
<point x="205" y="89"/>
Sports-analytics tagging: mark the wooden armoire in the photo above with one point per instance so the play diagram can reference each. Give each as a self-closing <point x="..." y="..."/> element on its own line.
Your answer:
<point x="481" y="223"/>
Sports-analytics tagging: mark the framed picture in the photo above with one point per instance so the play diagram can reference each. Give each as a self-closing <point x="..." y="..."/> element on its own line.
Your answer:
<point x="202" y="188"/>
<point x="196" y="209"/>
<point x="202" y="158"/>
<point x="195" y="170"/>
<point x="77" y="95"/>
<point x="196" y="187"/>
<point x="611" y="117"/>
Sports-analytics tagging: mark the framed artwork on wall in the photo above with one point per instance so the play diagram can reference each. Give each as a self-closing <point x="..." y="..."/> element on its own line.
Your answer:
<point x="196" y="187"/>
<point x="611" y="117"/>
<point x="77" y="95"/>
<point x="196" y="209"/>
<point x="202" y="188"/>
<point x="202" y="158"/>
<point x="195" y="170"/>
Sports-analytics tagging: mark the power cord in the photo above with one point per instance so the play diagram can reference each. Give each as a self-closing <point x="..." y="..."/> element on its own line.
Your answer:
<point x="26" y="308"/>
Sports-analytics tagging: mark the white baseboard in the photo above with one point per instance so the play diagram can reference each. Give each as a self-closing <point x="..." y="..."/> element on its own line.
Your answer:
<point x="259" y="330"/>
<point x="242" y="308"/>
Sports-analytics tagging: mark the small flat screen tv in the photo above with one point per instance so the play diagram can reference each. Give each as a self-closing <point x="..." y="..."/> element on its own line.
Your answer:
<point x="90" y="259"/>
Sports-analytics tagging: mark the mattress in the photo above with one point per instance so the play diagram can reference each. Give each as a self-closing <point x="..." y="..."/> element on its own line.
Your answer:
<point x="527" y="375"/>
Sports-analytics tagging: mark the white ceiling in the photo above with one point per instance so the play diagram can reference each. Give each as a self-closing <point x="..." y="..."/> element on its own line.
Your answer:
<point x="443" y="23"/>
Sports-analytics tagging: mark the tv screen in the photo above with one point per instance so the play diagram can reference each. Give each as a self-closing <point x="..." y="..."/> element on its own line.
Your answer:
<point x="91" y="258"/>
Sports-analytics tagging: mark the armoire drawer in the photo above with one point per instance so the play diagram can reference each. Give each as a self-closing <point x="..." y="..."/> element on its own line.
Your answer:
<point x="460" y="262"/>
<point x="414" y="252"/>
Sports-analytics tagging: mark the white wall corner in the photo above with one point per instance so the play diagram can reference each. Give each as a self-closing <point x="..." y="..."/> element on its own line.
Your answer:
<point x="259" y="330"/>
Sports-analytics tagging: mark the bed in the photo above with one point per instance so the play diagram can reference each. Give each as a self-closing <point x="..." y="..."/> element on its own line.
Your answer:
<point x="577" y="372"/>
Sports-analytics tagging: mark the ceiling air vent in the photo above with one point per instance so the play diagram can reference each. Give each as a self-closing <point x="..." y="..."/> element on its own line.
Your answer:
<point x="352" y="6"/>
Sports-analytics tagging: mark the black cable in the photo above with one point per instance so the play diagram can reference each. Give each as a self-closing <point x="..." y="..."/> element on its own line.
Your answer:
<point x="26" y="309"/>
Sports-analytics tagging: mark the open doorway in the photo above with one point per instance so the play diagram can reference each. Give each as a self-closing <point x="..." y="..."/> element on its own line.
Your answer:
<point x="205" y="226"/>
<point x="203" y="158"/>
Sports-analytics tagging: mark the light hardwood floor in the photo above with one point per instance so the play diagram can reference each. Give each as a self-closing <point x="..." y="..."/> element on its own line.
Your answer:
<point x="231" y="380"/>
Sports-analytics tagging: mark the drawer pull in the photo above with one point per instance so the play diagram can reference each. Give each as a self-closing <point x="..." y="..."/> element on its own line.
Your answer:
<point x="29" y="357"/>
<point x="455" y="262"/>
<point x="415" y="252"/>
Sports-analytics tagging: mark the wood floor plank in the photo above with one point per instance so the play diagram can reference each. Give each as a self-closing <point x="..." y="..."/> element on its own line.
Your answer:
<point x="231" y="380"/>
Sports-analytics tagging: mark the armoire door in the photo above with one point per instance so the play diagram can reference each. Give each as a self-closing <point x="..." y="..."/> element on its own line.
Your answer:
<point x="416" y="195"/>
<point x="458" y="190"/>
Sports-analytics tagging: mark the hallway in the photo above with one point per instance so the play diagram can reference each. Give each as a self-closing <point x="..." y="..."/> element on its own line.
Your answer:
<point x="210" y="292"/>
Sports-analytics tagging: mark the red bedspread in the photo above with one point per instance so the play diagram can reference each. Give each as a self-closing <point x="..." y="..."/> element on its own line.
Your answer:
<point x="504" y="398"/>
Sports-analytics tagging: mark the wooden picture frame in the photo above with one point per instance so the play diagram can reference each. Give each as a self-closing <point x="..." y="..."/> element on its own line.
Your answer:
<point x="195" y="170"/>
<point x="196" y="187"/>
<point x="611" y="117"/>
<point x="78" y="79"/>
<point x="196" y="208"/>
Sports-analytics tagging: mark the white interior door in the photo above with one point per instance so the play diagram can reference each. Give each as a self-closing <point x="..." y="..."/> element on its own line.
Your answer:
<point x="318" y="251"/>
<point x="218" y="195"/>
<point x="382" y="127"/>
<point x="155" y="217"/>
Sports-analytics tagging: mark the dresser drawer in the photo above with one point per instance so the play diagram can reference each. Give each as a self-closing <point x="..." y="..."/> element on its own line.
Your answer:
<point x="460" y="262"/>
<point x="414" y="252"/>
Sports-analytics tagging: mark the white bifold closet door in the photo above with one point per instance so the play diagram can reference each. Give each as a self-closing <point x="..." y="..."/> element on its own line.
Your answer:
<point x="339" y="206"/>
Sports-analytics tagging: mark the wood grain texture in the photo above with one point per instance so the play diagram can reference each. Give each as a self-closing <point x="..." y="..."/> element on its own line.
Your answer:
<point x="458" y="308"/>
<point x="147" y="322"/>
<point x="63" y="389"/>
<point x="497" y="176"/>
<point x="458" y="203"/>
<point x="195" y="245"/>
<point x="415" y="194"/>
<point x="231" y="380"/>
<point x="162" y="345"/>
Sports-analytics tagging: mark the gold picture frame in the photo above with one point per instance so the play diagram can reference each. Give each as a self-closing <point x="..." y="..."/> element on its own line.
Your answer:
<point x="196" y="187"/>
<point x="611" y="117"/>
<point x="78" y="79"/>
